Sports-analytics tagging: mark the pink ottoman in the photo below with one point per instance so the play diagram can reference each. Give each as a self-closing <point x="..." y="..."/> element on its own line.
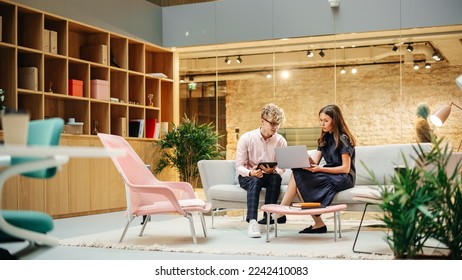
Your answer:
<point x="287" y="210"/>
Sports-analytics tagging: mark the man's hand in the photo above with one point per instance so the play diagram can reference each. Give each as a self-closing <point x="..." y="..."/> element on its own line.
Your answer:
<point x="266" y="168"/>
<point x="256" y="172"/>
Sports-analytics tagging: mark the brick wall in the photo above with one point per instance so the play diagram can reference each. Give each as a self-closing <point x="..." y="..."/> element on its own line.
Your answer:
<point x="376" y="108"/>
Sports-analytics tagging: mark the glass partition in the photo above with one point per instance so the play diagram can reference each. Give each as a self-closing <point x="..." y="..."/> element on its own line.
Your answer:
<point x="377" y="79"/>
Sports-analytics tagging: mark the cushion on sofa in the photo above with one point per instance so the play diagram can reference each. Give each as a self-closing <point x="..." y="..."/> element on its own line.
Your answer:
<point x="382" y="160"/>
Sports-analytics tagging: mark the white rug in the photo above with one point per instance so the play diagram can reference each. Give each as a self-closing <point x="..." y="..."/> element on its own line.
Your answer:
<point x="172" y="234"/>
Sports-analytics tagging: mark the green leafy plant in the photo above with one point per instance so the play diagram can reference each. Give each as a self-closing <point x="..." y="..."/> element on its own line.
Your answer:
<point x="446" y="226"/>
<point x="425" y="202"/>
<point x="185" y="145"/>
<point x="406" y="213"/>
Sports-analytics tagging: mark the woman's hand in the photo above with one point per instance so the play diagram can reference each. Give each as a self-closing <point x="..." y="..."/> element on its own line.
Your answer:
<point x="313" y="168"/>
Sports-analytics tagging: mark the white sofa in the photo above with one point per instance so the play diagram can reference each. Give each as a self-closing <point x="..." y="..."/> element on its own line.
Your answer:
<point x="222" y="189"/>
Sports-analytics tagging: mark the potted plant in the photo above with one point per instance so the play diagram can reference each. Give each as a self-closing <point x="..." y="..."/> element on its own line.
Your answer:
<point x="185" y="145"/>
<point x="425" y="203"/>
<point x="446" y="225"/>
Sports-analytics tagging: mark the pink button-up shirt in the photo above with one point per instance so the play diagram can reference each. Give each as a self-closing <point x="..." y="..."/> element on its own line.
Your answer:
<point x="252" y="149"/>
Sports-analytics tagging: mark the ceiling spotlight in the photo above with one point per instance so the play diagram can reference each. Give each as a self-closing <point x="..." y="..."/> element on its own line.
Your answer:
<point x="239" y="59"/>
<point x="227" y="60"/>
<point x="321" y="53"/>
<point x="436" y="56"/>
<point x="342" y="71"/>
<point x="269" y="76"/>
<point x="395" y="48"/>
<point x="309" y="53"/>
<point x="354" y="70"/>
<point x="285" y="74"/>
<point x="409" y="48"/>
<point x="428" y="65"/>
<point x="416" y="66"/>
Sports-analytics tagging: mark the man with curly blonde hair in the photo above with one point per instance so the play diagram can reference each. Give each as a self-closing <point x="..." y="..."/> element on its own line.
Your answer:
<point x="254" y="147"/>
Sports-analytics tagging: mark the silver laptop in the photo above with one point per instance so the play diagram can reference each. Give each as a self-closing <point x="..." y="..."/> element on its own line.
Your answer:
<point x="292" y="157"/>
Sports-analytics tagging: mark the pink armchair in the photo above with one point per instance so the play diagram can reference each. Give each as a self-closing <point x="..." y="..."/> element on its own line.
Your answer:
<point x="146" y="195"/>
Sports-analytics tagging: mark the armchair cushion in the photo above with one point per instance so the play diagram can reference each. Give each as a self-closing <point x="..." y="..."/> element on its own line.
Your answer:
<point x="29" y="220"/>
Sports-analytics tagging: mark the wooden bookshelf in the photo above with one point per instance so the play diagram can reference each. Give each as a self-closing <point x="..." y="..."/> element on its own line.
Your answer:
<point x="81" y="52"/>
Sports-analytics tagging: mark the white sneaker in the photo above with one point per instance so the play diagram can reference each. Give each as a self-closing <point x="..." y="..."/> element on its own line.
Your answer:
<point x="253" y="230"/>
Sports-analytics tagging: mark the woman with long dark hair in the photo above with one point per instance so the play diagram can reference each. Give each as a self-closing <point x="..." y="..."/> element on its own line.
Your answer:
<point x="320" y="183"/>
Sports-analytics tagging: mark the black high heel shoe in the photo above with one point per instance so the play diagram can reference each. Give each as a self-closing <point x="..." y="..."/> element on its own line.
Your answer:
<point x="310" y="229"/>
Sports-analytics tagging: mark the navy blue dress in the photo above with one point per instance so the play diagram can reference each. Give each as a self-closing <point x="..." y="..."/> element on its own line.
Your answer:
<point x="321" y="187"/>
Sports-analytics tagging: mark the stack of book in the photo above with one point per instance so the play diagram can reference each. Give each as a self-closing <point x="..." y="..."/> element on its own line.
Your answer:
<point x="306" y="205"/>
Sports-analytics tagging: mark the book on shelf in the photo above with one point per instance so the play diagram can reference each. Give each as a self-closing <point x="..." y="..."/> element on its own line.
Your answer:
<point x="306" y="205"/>
<point x="150" y="127"/>
<point x="136" y="128"/>
<point x="157" y="131"/>
<point x="157" y="75"/>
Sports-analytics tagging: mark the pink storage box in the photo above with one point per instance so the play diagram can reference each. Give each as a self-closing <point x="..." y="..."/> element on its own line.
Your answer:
<point x="100" y="89"/>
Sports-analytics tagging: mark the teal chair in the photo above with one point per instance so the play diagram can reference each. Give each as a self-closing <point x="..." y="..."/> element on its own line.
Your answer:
<point x="32" y="226"/>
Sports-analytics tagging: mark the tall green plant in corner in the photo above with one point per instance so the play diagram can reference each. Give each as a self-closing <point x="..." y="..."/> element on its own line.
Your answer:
<point x="425" y="202"/>
<point x="405" y="211"/>
<point x="185" y="145"/>
<point x="446" y="226"/>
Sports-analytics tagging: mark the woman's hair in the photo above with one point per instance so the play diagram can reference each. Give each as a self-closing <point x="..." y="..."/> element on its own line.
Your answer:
<point x="273" y="113"/>
<point x="339" y="126"/>
<point x="423" y="110"/>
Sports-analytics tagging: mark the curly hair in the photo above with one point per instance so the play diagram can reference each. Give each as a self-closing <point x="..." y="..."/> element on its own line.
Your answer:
<point x="273" y="113"/>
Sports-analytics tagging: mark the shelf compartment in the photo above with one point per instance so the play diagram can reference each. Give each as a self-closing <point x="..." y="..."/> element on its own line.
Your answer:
<point x="67" y="107"/>
<point x="153" y="114"/>
<point x="159" y="61"/>
<point x="30" y="24"/>
<point x="136" y="57"/>
<point x="80" y="71"/>
<point x="135" y="88"/>
<point x="8" y="76"/>
<point x="33" y="104"/>
<point x="119" y="85"/>
<point x="136" y="113"/>
<point x="99" y="73"/>
<point x="56" y="80"/>
<point x="152" y="88"/>
<point x="31" y="59"/>
<point x="81" y="35"/>
<point x="167" y="101"/>
<point x="119" y="120"/>
<point x="60" y="27"/>
<point x="100" y="114"/>
<point x="152" y="117"/>
<point x="8" y="14"/>
<point x="119" y="52"/>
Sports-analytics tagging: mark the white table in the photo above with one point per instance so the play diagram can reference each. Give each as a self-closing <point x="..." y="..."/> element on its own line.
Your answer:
<point x="48" y="151"/>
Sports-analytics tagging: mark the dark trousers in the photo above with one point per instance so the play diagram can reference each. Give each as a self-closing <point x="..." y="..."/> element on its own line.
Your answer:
<point x="253" y="185"/>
